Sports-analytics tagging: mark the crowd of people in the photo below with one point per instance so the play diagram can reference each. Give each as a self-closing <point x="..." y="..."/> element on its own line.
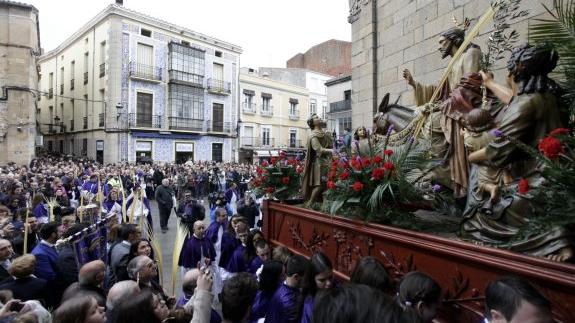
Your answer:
<point x="230" y="272"/>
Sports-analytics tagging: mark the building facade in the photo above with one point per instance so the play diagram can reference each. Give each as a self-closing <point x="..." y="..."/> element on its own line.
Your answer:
<point x="273" y="116"/>
<point x="390" y="36"/>
<point x="129" y="87"/>
<point x="19" y="51"/>
<point x="332" y="57"/>
<point x="339" y="101"/>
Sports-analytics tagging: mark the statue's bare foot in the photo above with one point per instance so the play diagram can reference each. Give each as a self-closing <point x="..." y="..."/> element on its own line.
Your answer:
<point x="563" y="255"/>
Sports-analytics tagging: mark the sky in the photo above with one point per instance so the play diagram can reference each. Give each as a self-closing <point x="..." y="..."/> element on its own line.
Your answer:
<point x="269" y="31"/>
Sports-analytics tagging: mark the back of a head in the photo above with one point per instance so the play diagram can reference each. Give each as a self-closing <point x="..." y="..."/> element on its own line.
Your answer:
<point x="121" y="291"/>
<point x="125" y="230"/>
<point x="371" y="272"/>
<point x="48" y="229"/>
<point x="418" y="287"/>
<point x="137" y="309"/>
<point x="269" y="279"/>
<point x="281" y="254"/>
<point x="23" y="266"/>
<point x="73" y="310"/>
<point x="506" y="294"/>
<point x="78" y="227"/>
<point x="352" y="303"/>
<point x="296" y="264"/>
<point x="237" y="296"/>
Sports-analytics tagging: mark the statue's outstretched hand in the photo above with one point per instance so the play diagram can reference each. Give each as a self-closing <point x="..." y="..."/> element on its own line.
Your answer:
<point x="408" y="77"/>
<point x="486" y="76"/>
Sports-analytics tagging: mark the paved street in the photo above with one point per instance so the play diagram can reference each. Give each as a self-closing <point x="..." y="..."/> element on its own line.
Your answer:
<point x="167" y="242"/>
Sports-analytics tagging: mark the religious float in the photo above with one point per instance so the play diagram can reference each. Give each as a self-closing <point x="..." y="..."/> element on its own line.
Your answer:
<point x="474" y="183"/>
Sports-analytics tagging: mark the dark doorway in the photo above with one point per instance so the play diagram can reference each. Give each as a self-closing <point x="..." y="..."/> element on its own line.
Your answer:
<point x="217" y="150"/>
<point x="218" y="117"/>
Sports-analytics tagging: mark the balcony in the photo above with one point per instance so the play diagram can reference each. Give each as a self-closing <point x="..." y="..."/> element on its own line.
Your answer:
<point x="141" y="120"/>
<point x="248" y="108"/>
<point x="267" y="110"/>
<point x="85" y="77"/>
<point x="71" y="125"/>
<point x="178" y="123"/>
<point x="340" y="106"/>
<point x="62" y="127"/>
<point x="71" y="84"/>
<point x="219" y="86"/>
<point x="102" y="69"/>
<point x="145" y="72"/>
<point x="85" y="126"/>
<point x="222" y="127"/>
<point x="294" y="115"/>
<point x="186" y="78"/>
<point x="50" y="93"/>
<point x="62" y="89"/>
<point x="257" y="142"/>
<point x="297" y="143"/>
<point x="101" y="120"/>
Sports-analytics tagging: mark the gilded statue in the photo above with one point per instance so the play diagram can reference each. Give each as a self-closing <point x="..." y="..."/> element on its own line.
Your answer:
<point x="318" y="158"/>
<point x="531" y="114"/>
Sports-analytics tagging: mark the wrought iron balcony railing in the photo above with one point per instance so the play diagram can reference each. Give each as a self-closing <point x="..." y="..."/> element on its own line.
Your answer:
<point x="179" y="76"/>
<point x="145" y="72"/>
<point x="102" y="69"/>
<point x="144" y="120"/>
<point x="297" y="143"/>
<point x="344" y="105"/>
<point x="257" y="142"/>
<point x="219" y="86"/>
<point x="225" y="127"/>
<point x="179" y="123"/>
<point x="249" y="108"/>
<point x="267" y="110"/>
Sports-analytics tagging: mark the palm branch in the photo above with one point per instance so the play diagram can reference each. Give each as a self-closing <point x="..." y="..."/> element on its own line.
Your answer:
<point x="559" y="32"/>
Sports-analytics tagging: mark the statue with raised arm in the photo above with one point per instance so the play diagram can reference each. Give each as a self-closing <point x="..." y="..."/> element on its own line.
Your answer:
<point x="531" y="114"/>
<point x="317" y="161"/>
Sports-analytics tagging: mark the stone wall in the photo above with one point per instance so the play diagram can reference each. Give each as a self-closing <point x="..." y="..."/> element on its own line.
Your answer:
<point x="331" y="57"/>
<point x="19" y="47"/>
<point x="406" y="38"/>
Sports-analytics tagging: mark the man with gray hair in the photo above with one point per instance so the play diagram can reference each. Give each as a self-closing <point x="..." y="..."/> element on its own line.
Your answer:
<point x="120" y="291"/>
<point x="165" y="199"/>
<point x="90" y="280"/>
<point x="143" y="270"/>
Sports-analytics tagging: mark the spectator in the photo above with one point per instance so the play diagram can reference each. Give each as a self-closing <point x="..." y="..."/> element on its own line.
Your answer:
<point x="5" y="256"/>
<point x="46" y="254"/>
<point x="66" y="262"/>
<point x="143" y="270"/>
<point x="90" y="281"/>
<point x="513" y="300"/>
<point x="22" y="283"/>
<point x="119" y="253"/>
<point x="371" y="272"/>
<point x="419" y="293"/>
<point x="189" y="285"/>
<point x="249" y="210"/>
<point x="190" y="211"/>
<point x="283" y="307"/>
<point x="165" y="199"/>
<point x="237" y="298"/>
<point x="118" y="293"/>
<point x="144" y="307"/>
<point x="83" y="309"/>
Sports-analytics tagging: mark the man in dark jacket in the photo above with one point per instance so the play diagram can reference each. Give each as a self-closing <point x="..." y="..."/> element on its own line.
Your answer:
<point x="164" y="197"/>
<point x="190" y="211"/>
<point x="23" y="284"/>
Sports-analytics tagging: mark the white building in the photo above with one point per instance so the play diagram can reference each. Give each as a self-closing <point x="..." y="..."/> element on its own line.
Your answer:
<point x="339" y="100"/>
<point x="128" y="85"/>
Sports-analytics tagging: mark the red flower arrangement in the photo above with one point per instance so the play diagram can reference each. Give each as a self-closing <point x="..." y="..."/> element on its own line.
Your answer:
<point x="378" y="173"/>
<point x="330" y="185"/>
<point x="376" y="159"/>
<point x="365" y="162"/>
<point x="523" y="187"/>
<point x="344" y="175"/>
<point x="559" y="132"/>
<point x="357" y="186"/>
<point x="356" y="164"/>
<point x="389" y="166"/>
<point x="551" y="147"/>
<point x="285" y="180"/>
<point x="388" y="152"/>
<point x="269" y="189"/>
<point x="279" y="178"/>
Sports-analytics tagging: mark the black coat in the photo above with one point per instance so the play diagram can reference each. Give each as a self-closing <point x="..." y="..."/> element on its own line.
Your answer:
<point x="25" y="289"/>
<point x="67" y="266"/>
<point x="164" y="197"/>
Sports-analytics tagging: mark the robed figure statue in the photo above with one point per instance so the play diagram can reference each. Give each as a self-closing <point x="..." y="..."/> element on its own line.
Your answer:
<point x="318" y="158"/>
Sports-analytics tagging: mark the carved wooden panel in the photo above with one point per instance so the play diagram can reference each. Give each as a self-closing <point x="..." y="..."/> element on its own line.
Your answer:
<point x="462" y="269"/>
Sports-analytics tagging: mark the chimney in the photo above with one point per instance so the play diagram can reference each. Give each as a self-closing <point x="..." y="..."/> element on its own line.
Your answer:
<point x="120" y="2"/>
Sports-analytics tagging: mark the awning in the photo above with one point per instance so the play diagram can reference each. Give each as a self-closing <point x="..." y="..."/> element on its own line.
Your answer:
<point x="292" y="100"/>
<point x="249" y="92"/>
<point x="267" y="153"/>
<point x="266" y="95"/>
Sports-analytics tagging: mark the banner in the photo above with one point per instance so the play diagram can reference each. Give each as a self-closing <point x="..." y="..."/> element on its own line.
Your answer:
<point x="91" y="243"/>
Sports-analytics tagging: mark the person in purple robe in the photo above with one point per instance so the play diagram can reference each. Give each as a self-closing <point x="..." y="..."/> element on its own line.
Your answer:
<point x="263" y="254"/>
<point x="270" y="279"/>
<point x="283" y="307"/>
<point x="244" y="253"/>
<point x="197" y="249"/>
<point x="318" y="277"/>
<point x="224" y="242"/>
<point x="134" y="201"/>
<point x="91" y="185"/>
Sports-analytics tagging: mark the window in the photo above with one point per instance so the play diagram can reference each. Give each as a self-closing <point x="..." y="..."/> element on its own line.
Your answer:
<point x="61" y="81"/>
<point x="248" y="136"/>
<point x="50" y="80"/>
<point x="144" y="109"/>
<point x="347" y="95"/>
<point x="312" y="107"/>
<point x="218" y="117"/>
<point x="323" y="109"/>
<point x="50" y="119"/>
<point x="218" y="53"/>
<point x="218" y="72"/>
<point x="84" y="147"/>
<point x="145" y="32"/>
<point x="187" y="101"/>
<point x="187" y="64"/>
<point x="344" y="123"/>
<point x="266" y="136"/>
<point x="266" y="104"/>
<point x="102" y="59"/>
<point x="293" y="138"/>
<point x="217" y="152"/>
<point x="145" y="55"/>
<point x="85" y="123"/>
<point x="72" y="71"/>
<point x="293" y="109"/>
<point x="86" y="62"/>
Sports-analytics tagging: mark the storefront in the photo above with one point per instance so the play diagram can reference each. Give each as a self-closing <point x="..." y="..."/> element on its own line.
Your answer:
<point x="143" y="151"/>
<point x="183" y="152"/>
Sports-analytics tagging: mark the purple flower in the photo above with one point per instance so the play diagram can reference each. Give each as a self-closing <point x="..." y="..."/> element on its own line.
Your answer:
<point x="497" y="133"/>
<point x="389" y="129"/>
<point x="343" y="160"/>
<point x="436" y="188"/>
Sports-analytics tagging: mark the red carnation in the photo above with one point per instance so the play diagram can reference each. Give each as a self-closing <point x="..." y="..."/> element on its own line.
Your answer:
<point x="343" y="176"/>
<point x="285" y="180"/>
<point x="365" y="162"/>
<point x="357" y="186"/>
<point x="377" y="159"/>
<point x="551" y="147"/>
<point x="259" y="171"/>
<point x="330" y="185"/>
<point x="265" y="163"/>
<point x="559" y="132"/>
<point x="274" y="160"/>
<point x="270" y="189"/>
<point x="388" y="152"/>
<point x="378" y="173"/>
<point x="356" y="164"/>
<point x="257" y="183"/>
<point x="523" y="186"/>
<point x="389" y="166"/>
<point x="334" y="162"/>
